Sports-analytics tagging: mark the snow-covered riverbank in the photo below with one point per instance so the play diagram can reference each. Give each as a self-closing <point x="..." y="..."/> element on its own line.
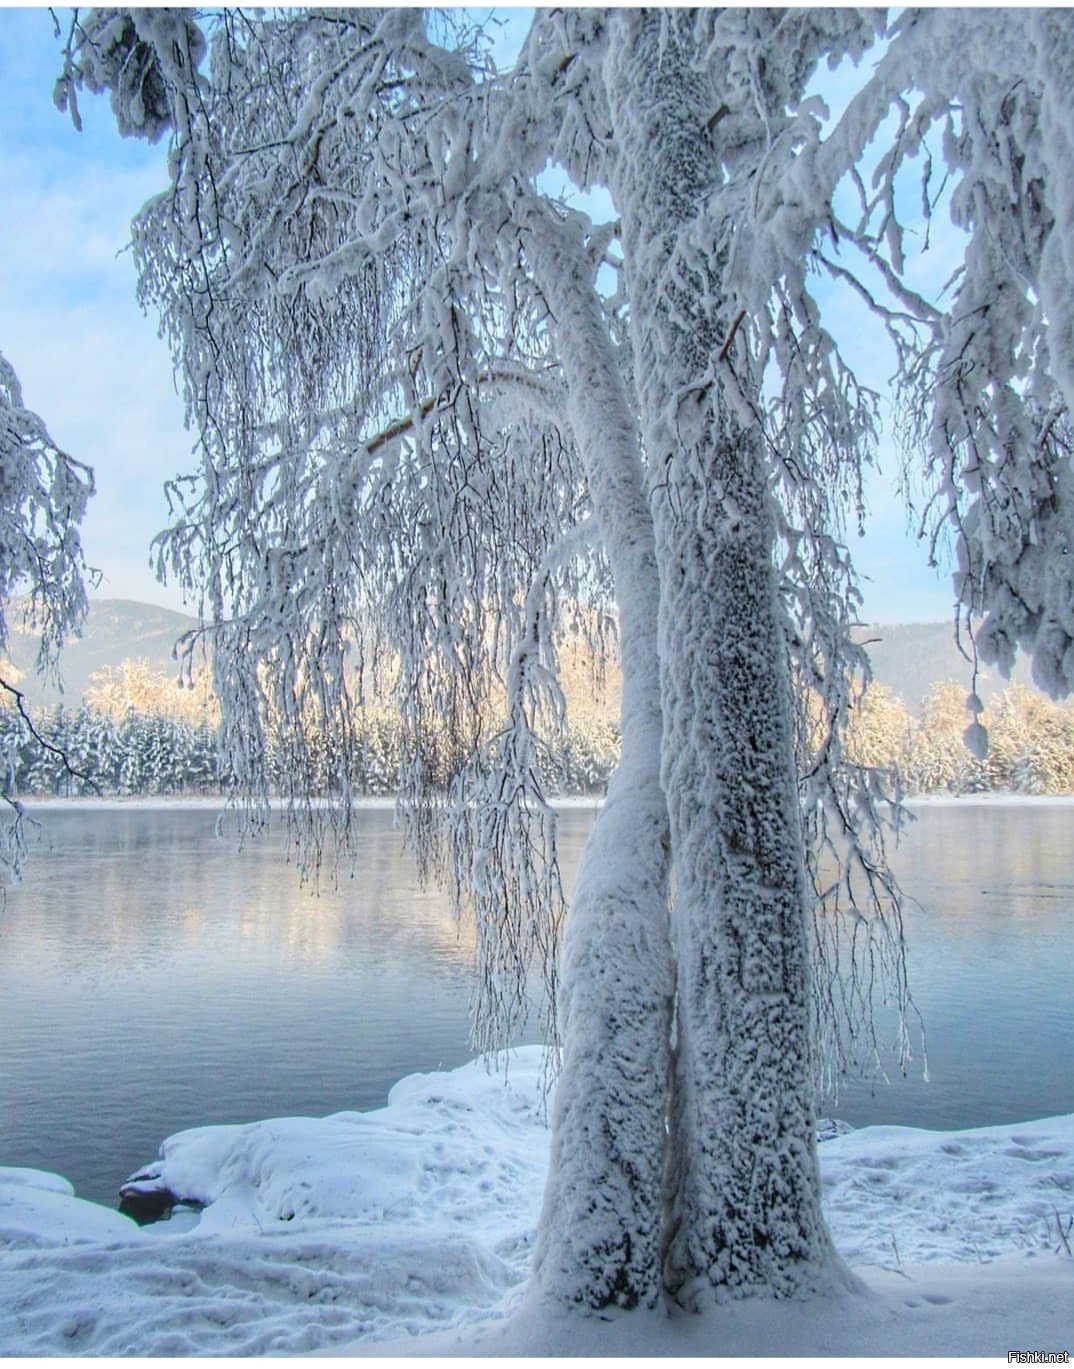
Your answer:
<point x="365" y="1230"/>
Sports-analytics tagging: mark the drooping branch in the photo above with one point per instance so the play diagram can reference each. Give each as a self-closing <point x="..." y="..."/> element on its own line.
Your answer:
<point x="42" y="741"/>
<point x="541" y="391"/>
<point x="43" y="497"/>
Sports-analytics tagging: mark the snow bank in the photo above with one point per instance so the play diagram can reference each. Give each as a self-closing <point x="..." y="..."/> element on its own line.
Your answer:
<point x="373" y="1230"/>
<point x="997" y="798"/>
<point x="920" y="1312"/>
<point x="452" y="1150"/>
<point x="40" y="1210"/>
<point x="316" y="1231"/>
<point x="898" y="1195"/>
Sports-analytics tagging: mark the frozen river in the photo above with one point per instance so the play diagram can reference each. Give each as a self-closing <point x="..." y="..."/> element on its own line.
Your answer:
<point x="153" y="979"/>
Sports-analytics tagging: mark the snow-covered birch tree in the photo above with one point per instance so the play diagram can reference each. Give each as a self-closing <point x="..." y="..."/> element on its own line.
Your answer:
<point x="442" y="417"/>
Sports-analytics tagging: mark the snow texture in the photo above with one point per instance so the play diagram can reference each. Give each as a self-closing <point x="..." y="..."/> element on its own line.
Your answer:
<point x="366" y="1232"/>
<point x="314" y="1230"/>
<point x="742" y="1183"/>
<point x="601" y="1211"/>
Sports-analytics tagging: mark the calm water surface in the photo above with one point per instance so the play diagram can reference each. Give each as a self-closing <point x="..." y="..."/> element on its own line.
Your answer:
<point x="152" y="979"/>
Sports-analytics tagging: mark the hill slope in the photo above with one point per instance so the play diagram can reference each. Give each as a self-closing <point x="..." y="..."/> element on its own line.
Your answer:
<point x="116" y="630"/>
<point x="907" y="657"/>
<point x="910" y="657"/>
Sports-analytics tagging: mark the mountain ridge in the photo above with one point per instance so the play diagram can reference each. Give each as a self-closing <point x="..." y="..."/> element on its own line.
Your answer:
<point x="115" y="630"/>
<point x="906" y="657"/>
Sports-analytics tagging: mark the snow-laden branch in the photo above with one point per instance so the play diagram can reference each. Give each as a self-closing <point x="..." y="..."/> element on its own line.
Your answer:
<point x="43" y="497"/>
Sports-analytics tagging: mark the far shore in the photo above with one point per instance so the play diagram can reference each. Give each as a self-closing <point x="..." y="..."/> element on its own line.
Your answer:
<point x="45" y="803"/>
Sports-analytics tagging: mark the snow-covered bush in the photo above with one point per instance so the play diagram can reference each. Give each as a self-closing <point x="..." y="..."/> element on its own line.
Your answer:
<point x="582" y="759"/>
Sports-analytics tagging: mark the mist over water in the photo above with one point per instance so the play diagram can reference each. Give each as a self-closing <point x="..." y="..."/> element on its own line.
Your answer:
<point x="153" y="978"/>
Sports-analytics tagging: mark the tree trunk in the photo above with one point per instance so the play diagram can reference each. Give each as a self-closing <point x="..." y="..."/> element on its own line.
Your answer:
<point x="600" y="1232"/>
<point x="743" y="1184"/>
<point x="743" y="1194"/>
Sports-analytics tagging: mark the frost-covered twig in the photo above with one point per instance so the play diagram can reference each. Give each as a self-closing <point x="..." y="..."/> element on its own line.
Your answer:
<point x="43" y="496"/>
<point x="42" y="741"/>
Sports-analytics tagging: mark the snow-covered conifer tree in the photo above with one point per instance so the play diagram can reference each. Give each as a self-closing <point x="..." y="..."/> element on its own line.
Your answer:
<point x="431" y="432"/>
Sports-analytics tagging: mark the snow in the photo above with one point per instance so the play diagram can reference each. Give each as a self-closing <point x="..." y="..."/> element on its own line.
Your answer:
<point x="958" y="1310"/>
<point x="994" y="799"/>
<point x="408" y="1231"/>
<point x="365" y="286"/>
<point x="41" y="1210"/>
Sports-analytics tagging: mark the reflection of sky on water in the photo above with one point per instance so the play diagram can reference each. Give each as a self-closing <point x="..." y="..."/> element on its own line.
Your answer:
<point x="143" y="890"/>
<point x="145" y="887"/>
<point x="991" y="959"/>
<point x="151" y="979"/>
<point x="154" y="978"/>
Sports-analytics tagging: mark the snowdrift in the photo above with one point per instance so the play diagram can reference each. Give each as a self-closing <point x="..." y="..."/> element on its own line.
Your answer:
<point x="368" y="1230"/>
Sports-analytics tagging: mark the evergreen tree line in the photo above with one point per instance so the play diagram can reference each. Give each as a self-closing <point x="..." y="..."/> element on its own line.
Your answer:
<point x="136" y="734"/>
<point x="91" y="751"/>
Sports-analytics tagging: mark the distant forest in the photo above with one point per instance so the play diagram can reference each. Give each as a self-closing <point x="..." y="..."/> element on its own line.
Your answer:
<point x="136" y="733"/>
<point x="1030" y="740"/>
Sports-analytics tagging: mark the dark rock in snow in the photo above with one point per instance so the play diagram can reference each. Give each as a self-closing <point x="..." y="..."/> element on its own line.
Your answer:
<point x="146" y="1200"/>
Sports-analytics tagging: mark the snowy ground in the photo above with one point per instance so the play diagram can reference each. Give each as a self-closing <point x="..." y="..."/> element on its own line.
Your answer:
<point x="365" y="1230"/>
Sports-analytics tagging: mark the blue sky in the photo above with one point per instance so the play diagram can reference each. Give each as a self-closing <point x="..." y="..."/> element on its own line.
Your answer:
<point x="92" y="365"/>
<point x="89" y="361"/>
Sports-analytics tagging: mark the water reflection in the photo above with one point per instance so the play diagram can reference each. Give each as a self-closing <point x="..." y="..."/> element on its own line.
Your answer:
<point x="153" y="978"/>
<point x="135" y="889"/>
<point x="990" y="938"/>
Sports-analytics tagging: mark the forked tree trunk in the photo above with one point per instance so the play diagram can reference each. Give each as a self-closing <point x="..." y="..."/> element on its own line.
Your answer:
<point x="743" y="1195"/>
